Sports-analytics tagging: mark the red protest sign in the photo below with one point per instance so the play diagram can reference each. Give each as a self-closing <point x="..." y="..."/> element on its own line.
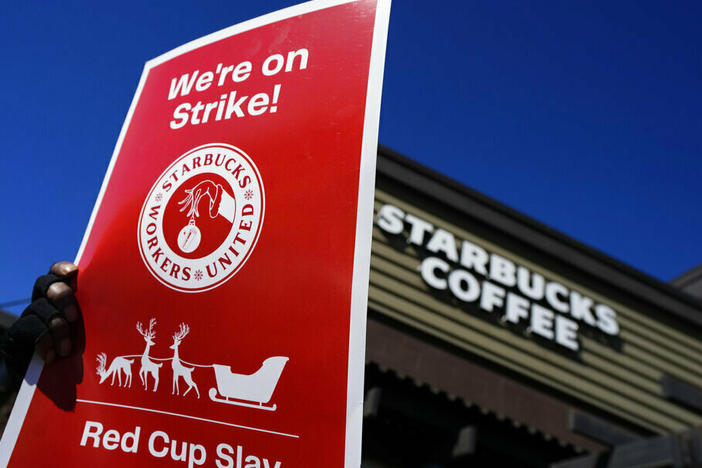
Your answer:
<point x="223" y="275"/>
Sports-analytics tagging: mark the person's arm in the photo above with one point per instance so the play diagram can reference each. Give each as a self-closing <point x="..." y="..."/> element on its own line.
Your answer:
<point x="44" y="325"/>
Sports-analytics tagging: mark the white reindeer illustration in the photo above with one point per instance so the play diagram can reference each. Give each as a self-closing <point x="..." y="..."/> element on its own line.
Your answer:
<point x="179" y="370"/>
<point x="117" y="366"/>
<point x="147" y="365"/>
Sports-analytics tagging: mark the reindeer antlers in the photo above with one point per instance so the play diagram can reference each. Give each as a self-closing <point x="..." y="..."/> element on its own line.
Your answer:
<point x="151" y="332"/>
<point x="102" y="360"/>
<point x="182" y="332"/>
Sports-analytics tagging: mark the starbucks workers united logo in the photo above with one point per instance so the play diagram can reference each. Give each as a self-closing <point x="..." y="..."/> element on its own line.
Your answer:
<point x="202" y="218"/>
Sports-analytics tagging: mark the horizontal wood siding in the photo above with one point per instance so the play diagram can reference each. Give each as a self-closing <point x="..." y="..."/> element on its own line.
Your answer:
<point x="624" y="382"/>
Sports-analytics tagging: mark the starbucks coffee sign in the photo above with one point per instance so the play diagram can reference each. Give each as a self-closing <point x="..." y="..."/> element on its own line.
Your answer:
<point x="500" y="287"/>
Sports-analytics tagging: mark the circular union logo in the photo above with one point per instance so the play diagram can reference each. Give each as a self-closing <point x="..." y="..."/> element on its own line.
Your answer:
<point x="202" y="218"/>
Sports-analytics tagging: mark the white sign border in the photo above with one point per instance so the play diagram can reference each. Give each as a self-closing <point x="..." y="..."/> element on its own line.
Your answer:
<point x="364" y="219"/>
<point x="364" y="234"/>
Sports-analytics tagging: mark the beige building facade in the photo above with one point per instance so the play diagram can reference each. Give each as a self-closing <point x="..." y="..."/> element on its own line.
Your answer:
<point x="493" y="339"/>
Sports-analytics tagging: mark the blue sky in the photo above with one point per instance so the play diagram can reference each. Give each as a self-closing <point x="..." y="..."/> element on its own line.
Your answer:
<point x="583" y="115"/>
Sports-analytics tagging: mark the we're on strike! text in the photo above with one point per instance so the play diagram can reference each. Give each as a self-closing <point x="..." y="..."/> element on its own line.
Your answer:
<point x="232" y="103"/>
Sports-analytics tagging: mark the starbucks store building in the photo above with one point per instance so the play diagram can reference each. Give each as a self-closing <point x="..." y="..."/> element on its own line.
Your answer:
<point x="494" y="340"/>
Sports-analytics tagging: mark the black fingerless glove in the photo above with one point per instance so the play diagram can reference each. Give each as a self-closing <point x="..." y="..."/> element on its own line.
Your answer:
<point x="18" y="343"/>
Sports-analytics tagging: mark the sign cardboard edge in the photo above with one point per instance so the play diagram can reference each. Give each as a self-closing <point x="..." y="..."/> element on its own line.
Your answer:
<point x="364" y="232"/>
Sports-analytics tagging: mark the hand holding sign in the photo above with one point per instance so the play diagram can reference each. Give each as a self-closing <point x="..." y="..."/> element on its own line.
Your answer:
<point x="45" y="324"/>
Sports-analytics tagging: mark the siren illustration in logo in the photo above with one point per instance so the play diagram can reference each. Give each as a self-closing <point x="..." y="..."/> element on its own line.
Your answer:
<point x="202" y="217"/>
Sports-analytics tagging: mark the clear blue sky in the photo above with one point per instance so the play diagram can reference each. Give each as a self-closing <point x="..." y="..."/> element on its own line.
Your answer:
<point x="583" y="115"/>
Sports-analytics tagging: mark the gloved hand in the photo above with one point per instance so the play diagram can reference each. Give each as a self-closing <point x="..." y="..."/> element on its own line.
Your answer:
<point x="45" y="324"/>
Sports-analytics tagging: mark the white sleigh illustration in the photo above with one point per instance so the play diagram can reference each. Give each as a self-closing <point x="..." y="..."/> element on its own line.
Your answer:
<point x="253" y="390"/>
<point x="249" y="390"/>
